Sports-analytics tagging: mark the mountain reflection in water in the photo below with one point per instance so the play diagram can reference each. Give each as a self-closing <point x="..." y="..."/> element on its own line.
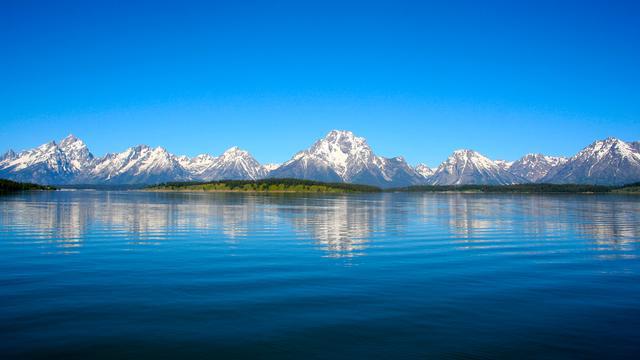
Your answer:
<point x="339" y="225"/>
<point x="94" y="274"/>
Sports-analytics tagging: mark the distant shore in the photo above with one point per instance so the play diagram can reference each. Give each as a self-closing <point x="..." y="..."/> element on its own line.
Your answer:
<point x="307" y="186"/>
<point x="265" y="186"/>
<point x="8" y="186"/>
<point x="292" y="186"/>
<point x="528" y="189"/>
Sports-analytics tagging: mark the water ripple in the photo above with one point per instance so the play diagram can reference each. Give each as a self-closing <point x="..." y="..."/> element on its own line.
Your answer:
<point x="134" y="274"/>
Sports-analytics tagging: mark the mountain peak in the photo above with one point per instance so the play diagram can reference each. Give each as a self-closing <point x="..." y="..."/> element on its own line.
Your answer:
<point x="141" y="147"/>
<point x="235" y="151"/>
<point x="504" y="164"/>
<point x="203" y="157"/>
<point x="340" y="133"/>
<point x="271" y="166"/>
<point x="608" y="162"/>
<point x="465" y="153"/>
<point x="600" y="148"/>
<point x="341" y="151"/>
<point x="70" y="138"/>
<point x="233" y="164"/>
<point x="9" y="155"/>
<point x="611" y="139"/>
<point x="344" y="138"/>
<point x="341" y="156"/>
<point x="535" y="166"/>
<point x="424" y="170"/>
<point x="467" y="166"/>
<point x="72" y="143"/>
<point x="50" y="143"/>
<point x="607" y="143"/>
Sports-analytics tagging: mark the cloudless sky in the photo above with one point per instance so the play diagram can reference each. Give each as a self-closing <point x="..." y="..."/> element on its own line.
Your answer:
<point x="416" y="78"/>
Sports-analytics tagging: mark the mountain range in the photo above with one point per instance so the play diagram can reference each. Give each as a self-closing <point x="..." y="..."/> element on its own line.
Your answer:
<point x="338" y="157"/>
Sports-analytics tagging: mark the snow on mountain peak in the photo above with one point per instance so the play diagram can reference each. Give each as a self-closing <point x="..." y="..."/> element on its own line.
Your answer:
<point x="271" y="167"/>
<point x="46" y="147"/>
<point x="232" y="149"/>
<point x="49" y="163"/>
<point x="534" y="167"/>
<point x="76" y="151"/>
<point x="424" y="170"/>
<point x="343" y="156"/>
<point x="466" y="166"/>
<point x="341" y="151"/>
<point x="463" y="152"/>
<point x="608" y="162"/>
<point x="233" y="164"/>
<point x="503" y="164"/>
<point x="468" y="155"/>
<point x="9" y="155"/>
<point x="600" y="148"/>
<point x="235" y="152"/>
<point x="339" y="156"/>
<point x="337" y="134"/>
<point x="69" y="139"/>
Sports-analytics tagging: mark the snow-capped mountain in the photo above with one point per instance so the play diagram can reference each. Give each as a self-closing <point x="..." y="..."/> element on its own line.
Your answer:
<point x="50" y="163"/>
<point x="197" y="165"/>
<point x="339" y="157"/>
<point x="77" y="153"/>
<point x="343" y="157"/>
<point x="504" y="164"/>
<point x="424" y="170"/>
<point x="395" y="171"/>
<point x="145" y="165"/>
<point x="270" y="167"/>
<point x="605" y="162"/>
<point x="534" y="167"/>
<point x="467" y="167"/>
<point x="233" y="164"/>
<point x="71" y="162"/>
<point x="9" y="155"/>
<point x="137" y="165"/>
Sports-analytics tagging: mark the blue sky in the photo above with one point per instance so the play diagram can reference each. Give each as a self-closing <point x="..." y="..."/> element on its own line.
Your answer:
<point x="416" y="79"/>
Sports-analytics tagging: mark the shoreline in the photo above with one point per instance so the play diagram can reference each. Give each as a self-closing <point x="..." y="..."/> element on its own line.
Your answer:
<point x="297" y="186"/>
<point x="386" y="192"/>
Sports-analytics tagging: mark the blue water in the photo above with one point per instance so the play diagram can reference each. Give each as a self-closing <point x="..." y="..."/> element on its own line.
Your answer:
<point x="91" y="274"/>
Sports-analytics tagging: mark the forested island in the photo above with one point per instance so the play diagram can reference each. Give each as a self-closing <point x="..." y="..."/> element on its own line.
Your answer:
<point x="8" y="186"/>
<point x="309" y="186"/>
<point x="265" y="185"/>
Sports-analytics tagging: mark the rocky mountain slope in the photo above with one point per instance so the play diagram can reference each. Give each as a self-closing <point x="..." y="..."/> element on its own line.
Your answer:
<point x="343" y="157"/>
<point x="71" y="162"/>
<point x="338" y="157"/>
<point x="533" y="167"/>
<point x="605" y="162"/>
<point x="465" y="167"/>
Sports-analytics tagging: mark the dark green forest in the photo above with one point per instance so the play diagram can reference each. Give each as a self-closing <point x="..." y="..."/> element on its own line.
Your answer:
<point x="7" y="186"/>
<point x="266" y="185"/>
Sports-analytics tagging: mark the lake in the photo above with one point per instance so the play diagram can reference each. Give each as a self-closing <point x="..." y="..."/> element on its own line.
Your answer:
<point x="98" y="274"/>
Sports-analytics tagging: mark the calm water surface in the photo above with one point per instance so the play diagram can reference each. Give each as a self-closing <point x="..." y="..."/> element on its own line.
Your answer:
<point x="91" y="274"/>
